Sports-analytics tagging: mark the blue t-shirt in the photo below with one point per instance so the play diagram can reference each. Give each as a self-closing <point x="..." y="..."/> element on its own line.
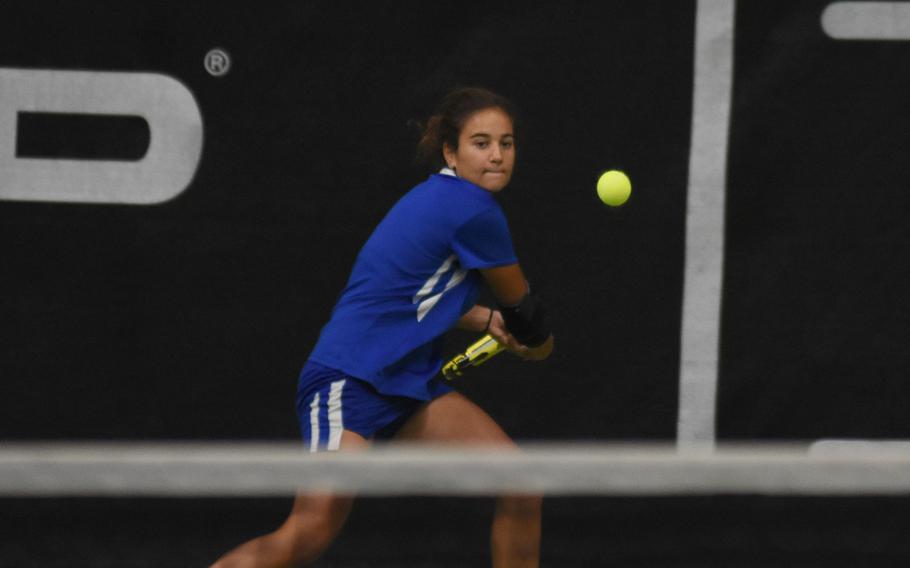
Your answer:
<point x="411" y="282"/>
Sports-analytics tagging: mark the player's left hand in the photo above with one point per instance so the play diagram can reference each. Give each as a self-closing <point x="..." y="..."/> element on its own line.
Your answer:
<point x="499" y="332"/>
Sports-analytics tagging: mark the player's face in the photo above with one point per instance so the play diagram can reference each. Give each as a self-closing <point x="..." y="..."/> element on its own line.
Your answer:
<point x="486" y="150"/>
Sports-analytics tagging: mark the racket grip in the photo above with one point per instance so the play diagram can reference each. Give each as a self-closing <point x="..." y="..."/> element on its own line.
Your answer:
<point x="476" y="354"/>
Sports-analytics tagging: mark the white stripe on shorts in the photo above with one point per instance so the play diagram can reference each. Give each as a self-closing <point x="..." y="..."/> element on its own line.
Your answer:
<point x="335" y="419"/>
<point x="314" y="423"/>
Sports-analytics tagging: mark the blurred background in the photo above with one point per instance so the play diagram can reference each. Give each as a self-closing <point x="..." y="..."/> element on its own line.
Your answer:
<point x="190" y="317"/>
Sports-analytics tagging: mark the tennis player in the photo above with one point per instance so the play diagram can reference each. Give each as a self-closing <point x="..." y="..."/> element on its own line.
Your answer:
<point x="374" y="372"/>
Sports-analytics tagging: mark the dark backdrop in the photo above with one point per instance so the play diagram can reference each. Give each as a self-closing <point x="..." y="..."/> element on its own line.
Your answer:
<point x="191" y="319"/>
<point x="815" y="310"/>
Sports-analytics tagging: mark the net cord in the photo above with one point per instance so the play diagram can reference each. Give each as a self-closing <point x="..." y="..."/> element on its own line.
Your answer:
<point x="279" y="468"/>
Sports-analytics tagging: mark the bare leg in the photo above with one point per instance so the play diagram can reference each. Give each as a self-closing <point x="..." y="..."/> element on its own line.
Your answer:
<point x="312" y="525"/>
<point x="515" y="535"/>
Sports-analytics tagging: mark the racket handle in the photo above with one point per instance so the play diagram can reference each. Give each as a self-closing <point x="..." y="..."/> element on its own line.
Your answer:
<point x="476" y="354"/>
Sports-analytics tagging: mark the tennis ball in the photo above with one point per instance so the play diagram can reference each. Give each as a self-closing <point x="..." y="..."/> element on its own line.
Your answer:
<point x="614" y="188"/>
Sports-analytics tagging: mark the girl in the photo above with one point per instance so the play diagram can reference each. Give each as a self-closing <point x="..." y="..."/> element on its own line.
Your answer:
<point x="374" y="372"/>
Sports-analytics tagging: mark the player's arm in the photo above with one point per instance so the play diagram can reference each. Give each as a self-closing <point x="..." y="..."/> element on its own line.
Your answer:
<point x="521" y="315"/>
<point x="476" y="319"/>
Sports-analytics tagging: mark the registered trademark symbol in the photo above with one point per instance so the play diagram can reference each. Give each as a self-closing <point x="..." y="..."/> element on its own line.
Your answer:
<point x="217" y="62"/>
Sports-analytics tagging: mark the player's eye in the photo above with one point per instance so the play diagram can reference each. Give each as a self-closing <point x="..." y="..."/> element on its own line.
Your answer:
<point x="482" y="144"/>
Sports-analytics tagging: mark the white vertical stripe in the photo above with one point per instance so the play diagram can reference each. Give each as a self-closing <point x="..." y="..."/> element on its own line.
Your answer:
<point x="336" y="423"/>
<point x="705" y="224"/>
<point x="314" y="423"/>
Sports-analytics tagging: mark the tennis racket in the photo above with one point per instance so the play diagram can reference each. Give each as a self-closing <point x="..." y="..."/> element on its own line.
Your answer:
<point x="476" y="354"/>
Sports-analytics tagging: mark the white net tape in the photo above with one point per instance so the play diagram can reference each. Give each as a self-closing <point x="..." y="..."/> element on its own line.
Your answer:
<point x="273" y="469"/>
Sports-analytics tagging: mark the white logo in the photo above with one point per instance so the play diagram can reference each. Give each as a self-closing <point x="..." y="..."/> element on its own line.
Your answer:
<point x="168" y="106"/>
<point x="217" y="62"/>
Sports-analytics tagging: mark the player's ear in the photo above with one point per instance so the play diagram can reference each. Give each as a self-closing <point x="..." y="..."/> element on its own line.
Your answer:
<point x="449" y="155"/>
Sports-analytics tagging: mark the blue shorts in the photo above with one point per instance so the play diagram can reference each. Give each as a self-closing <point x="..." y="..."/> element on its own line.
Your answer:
<point x="329" y="401"/>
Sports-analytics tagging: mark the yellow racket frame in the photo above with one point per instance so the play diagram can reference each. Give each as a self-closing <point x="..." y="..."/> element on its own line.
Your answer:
<point x="476" y="354"/>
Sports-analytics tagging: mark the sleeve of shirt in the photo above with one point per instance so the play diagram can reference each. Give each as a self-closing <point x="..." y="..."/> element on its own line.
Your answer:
<point x="484" y="241"/>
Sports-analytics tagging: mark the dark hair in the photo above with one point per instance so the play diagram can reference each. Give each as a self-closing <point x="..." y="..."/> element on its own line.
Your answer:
<point x="445" y="124"/>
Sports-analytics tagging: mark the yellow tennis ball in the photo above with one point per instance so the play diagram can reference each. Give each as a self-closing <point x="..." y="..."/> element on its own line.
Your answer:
<point x="614" y="188"/>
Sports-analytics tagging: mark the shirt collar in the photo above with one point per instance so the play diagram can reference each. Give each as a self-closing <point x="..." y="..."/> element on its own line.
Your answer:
<point x="448" y="172"/>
